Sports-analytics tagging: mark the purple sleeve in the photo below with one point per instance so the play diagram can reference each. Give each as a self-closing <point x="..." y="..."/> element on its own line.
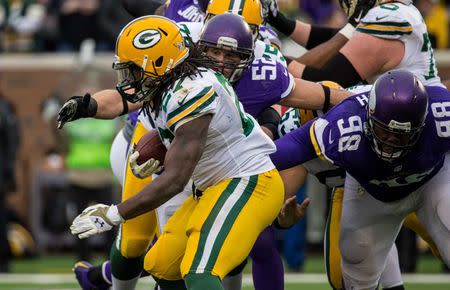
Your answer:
<point x="133" y="116"/>
<point x="294" y="148"/>
<point x="285" y="81"/>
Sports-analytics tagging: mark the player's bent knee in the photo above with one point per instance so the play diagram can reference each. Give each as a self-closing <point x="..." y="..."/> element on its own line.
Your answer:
<point x="161" y="266"/>
<point x="133" y="248"/>
<point x="354" y="247"/>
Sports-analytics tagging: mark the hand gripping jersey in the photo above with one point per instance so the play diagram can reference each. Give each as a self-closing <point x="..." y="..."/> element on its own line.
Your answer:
<point x="191" y="30"/>
<point x="339" y="137"/>
<point x="404" y="23"/>
<point x="264" y="83"/>
<point x="184" y="10"/>
<point x="269" y="36"/>
<point x="236" y="146"/>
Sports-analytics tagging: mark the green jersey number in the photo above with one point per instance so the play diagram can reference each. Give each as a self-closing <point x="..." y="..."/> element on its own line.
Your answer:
<point x="426" y="47"/>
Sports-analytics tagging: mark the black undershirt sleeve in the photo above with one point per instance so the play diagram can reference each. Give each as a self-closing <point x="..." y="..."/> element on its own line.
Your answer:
<point x="339" y="69"/>
<point x="270" y="119"/>
<point x="319" y="35"/>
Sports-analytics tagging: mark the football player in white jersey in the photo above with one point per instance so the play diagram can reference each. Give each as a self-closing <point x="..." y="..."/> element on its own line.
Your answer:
<point x="237" y="191"/>
<point x="395" y="34"/>
<point x="278" y="73"/>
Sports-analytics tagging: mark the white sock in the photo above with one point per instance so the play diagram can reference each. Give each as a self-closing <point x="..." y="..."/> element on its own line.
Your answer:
<point x="124" y="284"/>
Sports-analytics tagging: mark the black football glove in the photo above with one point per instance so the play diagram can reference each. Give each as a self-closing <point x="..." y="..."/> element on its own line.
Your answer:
<point x="75" y="108"/>
<point x="356" y="9"/>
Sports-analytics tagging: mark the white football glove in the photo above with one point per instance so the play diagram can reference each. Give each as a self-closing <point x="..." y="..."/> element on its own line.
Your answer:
<point x="146" y="169"/>
<point x="95" y="219"/>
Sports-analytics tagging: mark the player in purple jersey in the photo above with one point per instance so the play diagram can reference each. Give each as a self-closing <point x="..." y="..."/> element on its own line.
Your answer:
<point x="179" y="10"/>
<point x="185" y="10"/>
<point x="392" y="142"/>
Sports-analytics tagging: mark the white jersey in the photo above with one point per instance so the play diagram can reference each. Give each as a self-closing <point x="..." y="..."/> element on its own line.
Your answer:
<point x="404" y="23"/>
<point x="236" y="146"/>
<point x="262" y="50"/>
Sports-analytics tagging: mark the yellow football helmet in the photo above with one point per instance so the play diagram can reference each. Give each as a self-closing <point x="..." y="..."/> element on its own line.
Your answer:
<point x="249" y="9"/>
<point x="147" y="50"/>
<point x="331" y="85"/>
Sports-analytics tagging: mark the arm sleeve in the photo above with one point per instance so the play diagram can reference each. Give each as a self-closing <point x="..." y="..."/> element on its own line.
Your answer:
<point x="319" y="35"/>
<point x="293" y="149"/>
<point x="339" y="69"/>
<point x="270" y="119"/>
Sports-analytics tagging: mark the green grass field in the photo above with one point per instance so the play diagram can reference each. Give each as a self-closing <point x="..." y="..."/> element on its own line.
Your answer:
<point x="54" y="272"/>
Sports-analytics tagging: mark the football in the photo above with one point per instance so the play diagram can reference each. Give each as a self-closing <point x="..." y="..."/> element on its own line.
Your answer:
<point x="150" y="146"/>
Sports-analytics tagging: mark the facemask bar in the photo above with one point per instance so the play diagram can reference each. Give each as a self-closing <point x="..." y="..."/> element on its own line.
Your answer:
<point x="389" y="151"/>
<point x="133" y="83"/>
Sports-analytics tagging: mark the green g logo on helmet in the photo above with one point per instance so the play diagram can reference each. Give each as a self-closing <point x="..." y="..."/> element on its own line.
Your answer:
<point x="146" y="39"/>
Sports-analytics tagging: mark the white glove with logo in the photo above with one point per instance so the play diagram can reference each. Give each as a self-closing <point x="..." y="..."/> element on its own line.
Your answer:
<point x="146" y="169"/>
<point x="96" y="219"/>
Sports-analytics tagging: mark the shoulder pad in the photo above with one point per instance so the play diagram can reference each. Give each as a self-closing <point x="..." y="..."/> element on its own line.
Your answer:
<point x="384" y="21"/>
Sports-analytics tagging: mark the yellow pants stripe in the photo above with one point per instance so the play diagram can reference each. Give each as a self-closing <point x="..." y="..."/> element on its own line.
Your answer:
<point x="172" y="257"/>
<point x="332" y="252"/>
<point x="220" y="220"/>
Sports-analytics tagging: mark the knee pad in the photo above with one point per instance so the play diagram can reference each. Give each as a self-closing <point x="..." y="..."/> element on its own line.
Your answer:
<point x="354" y="247"/>
<point x="133" y="248"/>
<point x="133" y="243"/>
<point x="161" y="266"/>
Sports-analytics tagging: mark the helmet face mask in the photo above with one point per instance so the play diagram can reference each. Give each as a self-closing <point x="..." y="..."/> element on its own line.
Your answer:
<point x="232" y="63"/>
<point x="396" y="113"/>
<point x="226" y="45"/>
<point x="147" y="50"/>
<point x="391" y="144"/>
<point x="133" y="84"/>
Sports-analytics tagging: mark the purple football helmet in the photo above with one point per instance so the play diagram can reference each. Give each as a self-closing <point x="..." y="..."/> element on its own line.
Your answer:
<point x="398" y="106"/>
<point x="231" y="33"/>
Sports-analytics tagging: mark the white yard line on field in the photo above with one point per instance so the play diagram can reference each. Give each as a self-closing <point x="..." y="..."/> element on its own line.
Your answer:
<point x="46" y="279"/>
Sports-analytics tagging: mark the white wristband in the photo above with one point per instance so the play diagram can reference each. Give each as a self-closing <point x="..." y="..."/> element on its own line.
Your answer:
<point x="114" y="216"/>
<point x="347" y="30"/>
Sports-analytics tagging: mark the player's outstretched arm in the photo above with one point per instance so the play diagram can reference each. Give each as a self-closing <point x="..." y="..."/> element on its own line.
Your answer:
<point x="106" y="104"/>
<point x="313" y="96"/>
<point x="351" y="65"/>
<point x="293" y="178"/>
<point x="111" y="104"/>
<point x="291" y="212"/>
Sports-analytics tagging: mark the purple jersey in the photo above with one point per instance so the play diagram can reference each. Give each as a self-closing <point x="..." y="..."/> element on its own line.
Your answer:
<point x="264" y="83"/>
<point x="339" y="137"/>
<point x="133" y="117"/>
<point x="184" y="10"/>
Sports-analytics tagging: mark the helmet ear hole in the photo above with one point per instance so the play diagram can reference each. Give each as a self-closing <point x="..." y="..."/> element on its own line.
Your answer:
<point x="159" y="61"/>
